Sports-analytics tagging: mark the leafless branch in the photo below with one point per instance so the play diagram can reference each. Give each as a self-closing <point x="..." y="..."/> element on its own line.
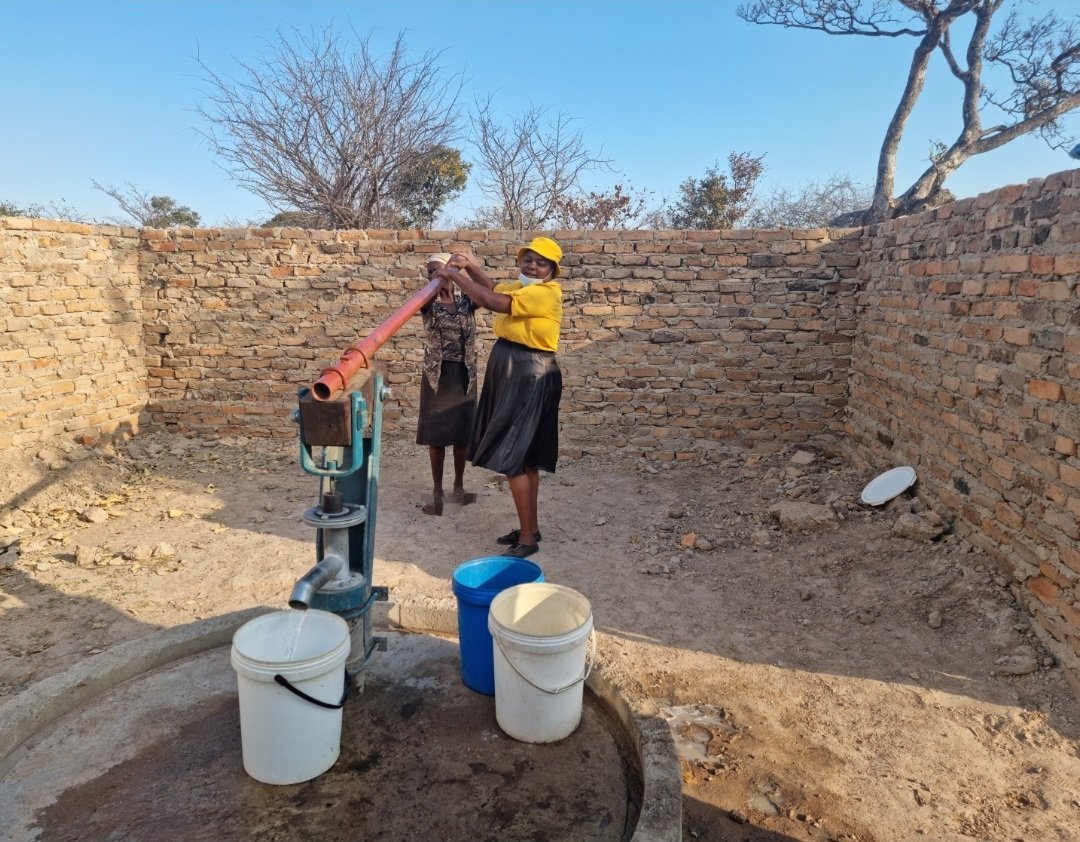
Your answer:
<point x="148" y="211"/>
<point x="815" y="204"/>
<point x="834" y="17"/>
<point x="326" y="128"/>
<point x="1041" y="59"/>
<point x="527" y="166"/>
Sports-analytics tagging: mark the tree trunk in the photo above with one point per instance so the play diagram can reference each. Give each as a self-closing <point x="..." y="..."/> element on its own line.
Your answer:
<point x="937" y="26"/>
<point x="881" y="209"/>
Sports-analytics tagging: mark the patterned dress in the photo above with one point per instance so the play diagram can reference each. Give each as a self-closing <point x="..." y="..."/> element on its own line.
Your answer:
<point x="448" y="388"/>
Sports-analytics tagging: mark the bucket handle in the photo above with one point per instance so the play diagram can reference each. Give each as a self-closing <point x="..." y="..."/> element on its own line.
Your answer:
<point x="590" y="659"/>
<point x="284" y="682"/>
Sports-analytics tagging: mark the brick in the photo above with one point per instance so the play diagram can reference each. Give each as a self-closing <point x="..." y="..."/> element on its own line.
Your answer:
<point x="1044" y="590"/>
<point x="1017" y="336"/>
<point x="1054" y="291"/>
<point x="1042" y="264"/>
<point x="1067" y="264"/>
<point x="1046" y="390"/>
<point x="1002" y="467"/>
<point x="1029" y="361"/>
<point x="1027" y="287"/>
<point x="1011" y="263"/>
<point x="1008" y="516"/>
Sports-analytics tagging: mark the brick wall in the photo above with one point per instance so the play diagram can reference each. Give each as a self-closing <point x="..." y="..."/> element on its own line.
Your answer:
<point x="967" y="367"/>
<point x="71" y="356"/>
<point x="681" y="342"/>
<point x="947" y="340"/>
<point x="674" y="342"/>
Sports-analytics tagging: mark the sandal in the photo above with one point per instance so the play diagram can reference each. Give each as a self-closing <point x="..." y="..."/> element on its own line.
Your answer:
<point x="522" y="550"/>
<point x="512" y="537"/>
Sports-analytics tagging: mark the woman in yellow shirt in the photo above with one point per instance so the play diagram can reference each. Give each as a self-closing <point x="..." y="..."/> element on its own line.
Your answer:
<point x="516" y="431"/>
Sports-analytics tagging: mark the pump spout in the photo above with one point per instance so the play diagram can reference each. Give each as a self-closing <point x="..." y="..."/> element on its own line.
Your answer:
<point x="329" y="567"/>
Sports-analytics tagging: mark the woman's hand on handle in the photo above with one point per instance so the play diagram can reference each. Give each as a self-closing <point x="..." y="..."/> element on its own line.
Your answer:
<point x="468" y="264"/>
<point x="472" y="280"/>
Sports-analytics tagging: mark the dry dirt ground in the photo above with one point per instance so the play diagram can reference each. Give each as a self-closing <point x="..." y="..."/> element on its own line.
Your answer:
<point x="831" y="671"/>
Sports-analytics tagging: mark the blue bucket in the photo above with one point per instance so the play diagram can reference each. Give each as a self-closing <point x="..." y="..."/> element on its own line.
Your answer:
<point x="475" y="584"/>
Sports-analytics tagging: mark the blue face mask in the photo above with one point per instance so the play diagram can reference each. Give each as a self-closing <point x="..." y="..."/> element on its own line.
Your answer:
<point x="525" y="280"/>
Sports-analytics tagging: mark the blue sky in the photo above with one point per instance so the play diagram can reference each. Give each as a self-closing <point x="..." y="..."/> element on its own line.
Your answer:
<point x="107" y="91"/>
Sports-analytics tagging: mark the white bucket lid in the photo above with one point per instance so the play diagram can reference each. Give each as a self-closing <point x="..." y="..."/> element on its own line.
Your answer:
<point x="882" y="488"/>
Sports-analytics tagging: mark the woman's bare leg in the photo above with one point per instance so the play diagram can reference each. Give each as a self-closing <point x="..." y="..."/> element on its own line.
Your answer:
<point x="438" y="457"/>
<point x="524" y="488"/>
<point x="460" y="452"/>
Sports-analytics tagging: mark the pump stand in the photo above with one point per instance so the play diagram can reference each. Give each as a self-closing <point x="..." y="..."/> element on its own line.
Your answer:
<point x="340" y="444"/>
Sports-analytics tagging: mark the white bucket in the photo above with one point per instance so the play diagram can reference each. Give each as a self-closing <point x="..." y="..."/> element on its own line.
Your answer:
<point x="290" y="674"/>
<point x="539" y="633"/>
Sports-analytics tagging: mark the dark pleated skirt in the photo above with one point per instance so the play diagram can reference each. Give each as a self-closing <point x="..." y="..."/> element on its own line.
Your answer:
<point x="517" y="420"/>
<point x="446" y="414"/>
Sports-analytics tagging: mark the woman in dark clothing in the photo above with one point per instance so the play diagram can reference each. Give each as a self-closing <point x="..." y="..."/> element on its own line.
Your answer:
<point x="516" y="431"/>
<point x="448" y="387"/>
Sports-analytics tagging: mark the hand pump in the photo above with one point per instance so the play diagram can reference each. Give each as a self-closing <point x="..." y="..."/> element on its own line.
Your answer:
<point x="347" y="433"/>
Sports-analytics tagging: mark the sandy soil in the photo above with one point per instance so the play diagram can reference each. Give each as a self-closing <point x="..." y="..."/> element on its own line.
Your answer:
<point x="831" y="671"/>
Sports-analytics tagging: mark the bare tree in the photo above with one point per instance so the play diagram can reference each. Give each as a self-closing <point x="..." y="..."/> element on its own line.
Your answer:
<point x="815" y="204"/>
<point x="606" y="210"/>
<point x="43" y="210"/>
<point x="1040" y="60"/>
<point x="528" y="166"/>
<point x="327" y="129"/>
<point x="149" y="211"/>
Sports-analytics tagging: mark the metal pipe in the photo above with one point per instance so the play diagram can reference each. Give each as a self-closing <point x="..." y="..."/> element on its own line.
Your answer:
<point x="358" y="355"/>
<point x="304" y="589"/>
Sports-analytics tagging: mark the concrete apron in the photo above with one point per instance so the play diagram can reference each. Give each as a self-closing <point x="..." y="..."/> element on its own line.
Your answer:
<point x="644" y="733"/>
